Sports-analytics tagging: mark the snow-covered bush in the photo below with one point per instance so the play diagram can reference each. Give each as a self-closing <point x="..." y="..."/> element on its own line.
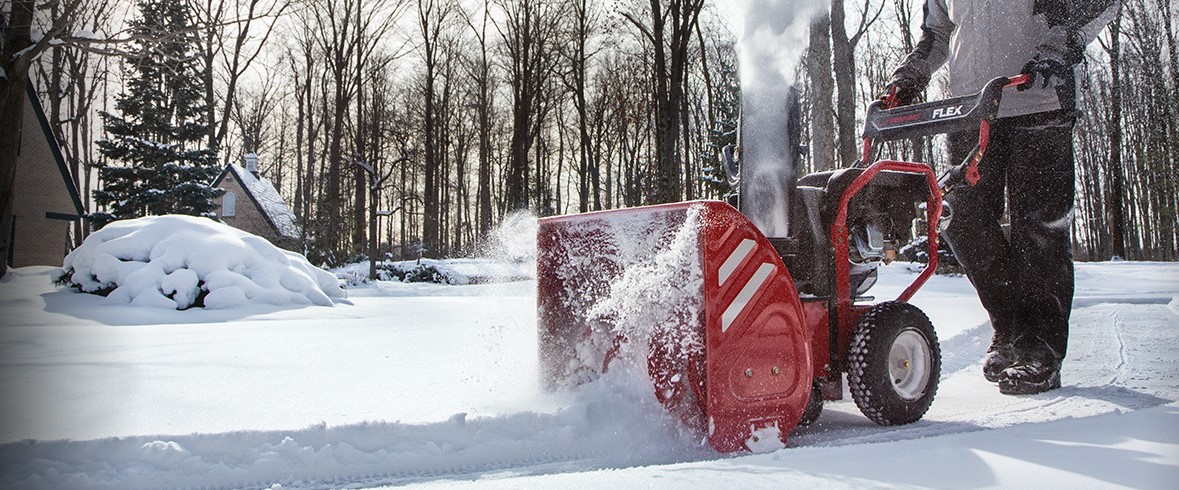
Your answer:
<point x="180" y="262"/>
<point x="416" y="272"/>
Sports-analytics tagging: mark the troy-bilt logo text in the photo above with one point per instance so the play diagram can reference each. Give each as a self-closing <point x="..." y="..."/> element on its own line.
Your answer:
<point x="944" y="112"/>
<point x="902" y="119"/>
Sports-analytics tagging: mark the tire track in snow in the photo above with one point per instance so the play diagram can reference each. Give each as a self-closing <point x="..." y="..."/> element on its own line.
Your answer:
<point x="1115" y="320"/>
<point x="966" y="349"/>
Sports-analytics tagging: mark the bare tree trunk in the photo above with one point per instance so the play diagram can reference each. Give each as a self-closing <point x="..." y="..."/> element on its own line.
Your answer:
<point x="1117" y="218"/>
<point x="582" y="26"/>
<point x="360" y="219"/>
<point x="480" y="73"/>
<point x="235" y="55"/>
<point x="431" y="19"/>
<point x="843" y="49"/>
<point x="844" y="65"/>
<point x="526" y="30"/>
<point x="818" y="67"/>
<point x="669" y="35"/>
<point x="1168" y="29"/>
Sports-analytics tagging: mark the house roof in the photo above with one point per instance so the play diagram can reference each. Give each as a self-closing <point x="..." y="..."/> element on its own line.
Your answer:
<point x="267" y="199"/>
<point x="55" y="149"/>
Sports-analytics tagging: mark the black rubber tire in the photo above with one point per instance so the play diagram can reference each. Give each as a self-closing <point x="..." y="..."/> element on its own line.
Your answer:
<point x="872" y="385"/>
<point x="814" y="407"/>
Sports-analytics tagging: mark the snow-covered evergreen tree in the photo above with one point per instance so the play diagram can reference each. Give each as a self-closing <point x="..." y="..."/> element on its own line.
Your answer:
<point x="727" y="108"/>
<point x="156" y="160"/>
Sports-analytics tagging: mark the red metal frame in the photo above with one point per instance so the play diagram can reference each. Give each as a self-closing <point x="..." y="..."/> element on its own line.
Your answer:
<point x="984" y="137"/>
<point x="842" y="308"/>
<point x="1017" y="80"/>
<point x="839" y="232"/>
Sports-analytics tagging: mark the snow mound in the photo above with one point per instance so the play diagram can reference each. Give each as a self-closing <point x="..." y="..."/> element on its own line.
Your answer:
<point x="179" y="262"/>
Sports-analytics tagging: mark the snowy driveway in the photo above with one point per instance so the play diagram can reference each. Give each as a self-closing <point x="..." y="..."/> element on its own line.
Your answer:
<point x="436" y="386"/>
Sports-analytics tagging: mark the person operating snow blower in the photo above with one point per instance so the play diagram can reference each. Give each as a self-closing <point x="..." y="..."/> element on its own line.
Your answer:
<point x="1024" y="280"/>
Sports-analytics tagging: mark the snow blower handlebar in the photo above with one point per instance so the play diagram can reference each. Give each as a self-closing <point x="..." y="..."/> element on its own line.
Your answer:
<point x="886" y="122"/>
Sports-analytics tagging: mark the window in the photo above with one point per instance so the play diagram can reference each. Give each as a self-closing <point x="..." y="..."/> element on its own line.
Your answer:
<point x="229" y="205"/>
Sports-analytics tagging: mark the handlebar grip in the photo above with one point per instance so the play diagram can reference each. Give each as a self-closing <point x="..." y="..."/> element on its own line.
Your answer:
<point x="1018" y="80"/>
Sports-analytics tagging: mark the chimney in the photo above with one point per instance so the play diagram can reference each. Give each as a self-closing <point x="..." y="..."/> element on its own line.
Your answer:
<point x="252" y="163"/>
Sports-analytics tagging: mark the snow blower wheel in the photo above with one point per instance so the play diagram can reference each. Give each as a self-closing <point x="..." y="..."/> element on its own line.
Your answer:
<point x="814" y="407"/>
<point x="894" y="363"/>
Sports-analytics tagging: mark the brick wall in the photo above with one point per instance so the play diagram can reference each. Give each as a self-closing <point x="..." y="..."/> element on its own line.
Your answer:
<point x="39" y="188"/>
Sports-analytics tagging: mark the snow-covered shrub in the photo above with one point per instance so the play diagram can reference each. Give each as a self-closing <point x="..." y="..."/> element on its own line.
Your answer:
<point x="415" y="272"/>
<point x="179" y="262"/>
<point x="353" y="278"/>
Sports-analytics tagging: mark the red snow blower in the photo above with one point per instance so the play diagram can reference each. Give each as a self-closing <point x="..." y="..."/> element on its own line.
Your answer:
<point x="748" y="319"/>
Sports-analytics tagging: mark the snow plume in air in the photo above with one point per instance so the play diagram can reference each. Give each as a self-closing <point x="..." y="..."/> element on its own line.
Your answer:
<point x="774" y="35"/>
<point x="514" y="242"/>
<point x="622" y="278"/>
<point x="632" y="284"/>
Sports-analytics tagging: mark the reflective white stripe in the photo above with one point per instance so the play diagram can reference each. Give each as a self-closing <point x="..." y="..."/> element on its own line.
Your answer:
<point x="746" y="294"/>
<point x="739" y="254"/>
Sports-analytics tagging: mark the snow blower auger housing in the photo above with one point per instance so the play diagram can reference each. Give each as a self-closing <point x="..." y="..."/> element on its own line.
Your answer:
<point x="744" y="336"/>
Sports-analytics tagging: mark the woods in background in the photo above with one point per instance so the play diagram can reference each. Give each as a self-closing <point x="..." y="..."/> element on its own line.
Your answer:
<point x="418" y="125"/>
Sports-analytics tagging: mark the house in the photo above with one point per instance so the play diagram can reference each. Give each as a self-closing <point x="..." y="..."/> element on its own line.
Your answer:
<point x="46" y="202"/>
<point x="251" y="203"/>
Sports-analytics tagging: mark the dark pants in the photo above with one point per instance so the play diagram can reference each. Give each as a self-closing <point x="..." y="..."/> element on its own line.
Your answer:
<point x="1026" y="281"/>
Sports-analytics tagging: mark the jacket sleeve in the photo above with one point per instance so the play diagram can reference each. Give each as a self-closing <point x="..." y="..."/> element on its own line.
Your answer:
<point x="1092" y="17"/>
<point x="1073" y="24"/>
<point x="936" y="28"/>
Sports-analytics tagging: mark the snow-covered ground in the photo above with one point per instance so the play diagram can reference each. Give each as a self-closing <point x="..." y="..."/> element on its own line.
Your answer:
<point x="436" y="386"/>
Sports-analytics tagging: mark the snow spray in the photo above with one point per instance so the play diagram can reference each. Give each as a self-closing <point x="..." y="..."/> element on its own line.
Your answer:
<point x="773" y="39"/>
<point x="621" y="279"/>
<point x="653" y="306"/>
<point x="659" y="296"/>
<point x="514" y="242"/>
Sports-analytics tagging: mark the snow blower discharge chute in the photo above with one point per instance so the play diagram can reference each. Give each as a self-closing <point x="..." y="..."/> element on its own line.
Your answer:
<point x="745" y="336"/>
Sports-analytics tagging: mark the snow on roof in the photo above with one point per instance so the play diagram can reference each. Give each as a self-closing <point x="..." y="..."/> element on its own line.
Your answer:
<point x="269" y="201"/>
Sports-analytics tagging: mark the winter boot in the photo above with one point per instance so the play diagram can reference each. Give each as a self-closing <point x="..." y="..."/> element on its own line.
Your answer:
<point x="1035" y="374"/>
<point x="1000" y="356"/>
